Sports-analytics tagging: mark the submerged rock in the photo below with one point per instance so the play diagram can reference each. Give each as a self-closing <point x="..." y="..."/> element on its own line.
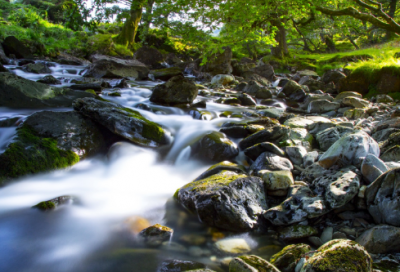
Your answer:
<point x="251" y="263"/>
<point x="177" y="90"/>
<point x="226" y="200"/>
<point x="50" y="140"/>
<point x="17" y="92"/>
<point x="54" y="203"/>
<point x="124" y="122"/>
<point x="339" y="255"/>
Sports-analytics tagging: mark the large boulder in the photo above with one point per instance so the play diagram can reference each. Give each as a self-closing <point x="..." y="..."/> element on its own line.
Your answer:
<point x="339" y="256"/>
<point x="13" y="46"/>
<point x="381" y="239"/>
<point x="17" y="92"/>
<point x="330" y="191"/>
<point x="150" y="56"/>
<point x="251" y="263"/>
<point x="226" y="200"/>
<point x="37" y="68"/>
<point x="266" y="71"/>
<point x="382" y="198"/>
<point x="333" y="76"/>
<point x="64" y="58"/>
<point x="350" y="150"/>
<point x="287" y="259"/>
<point x="166" y="73"/>
<point x="111" y="67"/>
<point x="220" y="63"/>
<point x="50" y="140"/>
<point x="291" y="87"/>
<point x="215" y="146"/>
<point x="327" y="137"/>
<point x="322" y="106"/>
<point x="124" y="122"/>
<point x="3" y="57"/>
<point x="177" y="90"/>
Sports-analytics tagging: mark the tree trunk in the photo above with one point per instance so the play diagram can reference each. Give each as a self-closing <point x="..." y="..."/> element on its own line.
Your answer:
<point x="281" y="50"/>
<point x="392" y="11"/>
<point x="331" y="48"/>
<point x="353" y="42"/>
<point x="129" y="30"/>
<point x="148" y="17"/>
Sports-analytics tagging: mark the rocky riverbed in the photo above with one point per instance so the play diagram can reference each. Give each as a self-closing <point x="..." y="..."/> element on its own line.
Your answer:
<point x="259" y="171"/>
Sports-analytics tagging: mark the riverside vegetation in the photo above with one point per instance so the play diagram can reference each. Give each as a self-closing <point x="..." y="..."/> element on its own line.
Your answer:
<point x="290" y="111"/>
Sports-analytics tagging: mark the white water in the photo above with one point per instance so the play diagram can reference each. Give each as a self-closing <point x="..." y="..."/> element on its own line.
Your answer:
<point x="129" y="181"/>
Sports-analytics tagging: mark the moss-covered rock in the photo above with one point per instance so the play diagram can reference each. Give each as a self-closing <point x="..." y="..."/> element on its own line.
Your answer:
<point x="125" y="122"/>
<point x="297" y="232"/>
<point x="166" y="73"/>
<point x="37" y="68"/>
<point x="251" y="263"/>
<point x="339" y="256"/>
<point x="156" y="235"/>
<point x="54" y="203"/>
<point x="219" y="167"/>
<point x="226" y="200"/>
<point x="215" y="146"/>
<point x="286" y="260"/>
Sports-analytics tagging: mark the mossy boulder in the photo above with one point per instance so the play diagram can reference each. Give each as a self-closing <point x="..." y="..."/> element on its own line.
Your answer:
<point x="166" y="73"/>
<point x="251" y="263"/>
<point x="177" y="90"/>
<point x="215" y="146"/>
<point x="219" y="167"/>
<point x="339" y="256"/>
<point x="124" y="122"/>
<point x="17" y="92"/>
<point x="287" y="259"/>
<point x="12" y="45"/>
<point x="50" y="140"/>
<point x="37" y="68"/>
<point x="156" y="235"/>
<point x="226" y="200"/>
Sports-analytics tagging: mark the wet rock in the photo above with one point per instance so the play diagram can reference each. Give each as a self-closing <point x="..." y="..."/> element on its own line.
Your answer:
<point x="233" y="246"/>
<point x="252" y="88"/>
<point x="88" y="86"/>
<point x="246" y="100"/>
<point x="339" y="255"/>
<point x="264" y="93"/>
<point x="277" y="183"/>
<point x="177" y="90"/>
<point x="255" y="151"/>
<point x="355" y="102"/>
<point x="150" y="57"/>
<point x="296" y="154"/>
<point x="333" y="76"/>
<point x="50" y="80"/>
<point x="180" y="266"/>
<point x="291" y="87"/>
<point x="240" y="130"/>
<point x="350" y="150"/>
<point x="110" y="67"/>
<point x="219" y="167"/>
<point x="37" y="68"/>
<point x="3" y="57"/>
<point x="222" y="80"/>
<point x="272" y="134"/>
<point x="381" y="198"/>
<point x="251" y="263"/>
<point x="63" y="58"/>
<point x="219" y="200"/>
<point x="272" y="162"/>
<point x="339" y="98"/>
<point x="381" y="239"/>
<point x="327" y="192"/>
<point x="12" y="45"/>
<point x="286" y="260"/>
<point x="124" y="122"/>
<point x="313" y="97"/>
<point x="266" y="71"/>
<point x="50" y="140"/>
<point x="322" y="106"/>
<point x="52" y="204"/>
<point x="155" y="235"/>
<point x="271" y="112"/>
<point x="297" y="232"/>
<point x="220" y="63"/>
<point x="166" y="74"/>
<point x="217" y="147"/>
<point x="372" y="167"/>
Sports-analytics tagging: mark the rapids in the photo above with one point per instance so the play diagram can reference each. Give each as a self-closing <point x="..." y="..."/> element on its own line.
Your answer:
<point x="127" y="181"/>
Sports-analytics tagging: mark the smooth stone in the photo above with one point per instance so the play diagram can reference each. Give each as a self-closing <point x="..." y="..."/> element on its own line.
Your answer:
<point x="297" y="232"/>
<point x="296" y="154"/>
<point x="355" y="102"/>
<point x="222" y="80"/>
<point x="233" y="246"/>
<point x="272" y="162"/>
<point x="255" y="151"/>
<point x="322" y="106"/>
<point x="381" y="239"/>
<point x="316" y="241"/>
<point x="372" y="167"/>
<point x="278" y="181"/>
<point x="327" y="235"/>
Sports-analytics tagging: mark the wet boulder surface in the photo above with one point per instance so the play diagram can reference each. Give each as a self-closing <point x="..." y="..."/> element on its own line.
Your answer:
<point x="177" y="90"/>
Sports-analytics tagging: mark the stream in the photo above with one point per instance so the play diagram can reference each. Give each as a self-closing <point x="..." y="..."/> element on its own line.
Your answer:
<point x="128" y="182"/>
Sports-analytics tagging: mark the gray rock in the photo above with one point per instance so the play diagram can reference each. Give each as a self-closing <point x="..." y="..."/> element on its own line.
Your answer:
<point x="297" y="232"/>
<point x="333" y="76"/>
<point x="219" y="63"/>
<point x="287" y="259"/>
<point x="296" y="154"/>
<point x="277" y="183"/>
<point x="255" y="151"/>
<point x="247" y="100"/>
<point x="355" y="102"/>
<point x="17" y="92"/>
<point x="49" y="80"/>
<point x="37" y="68"/>
<point x="177" y="90"/>
<point x="312" y="172"/>
<point x="381" y="198"/>
<point x="339" y="255"/>
<point x="310" y="158"/>
<point x="222" y="80"/>
<point x="264" y="93"/>
<point x="219" y="200"/>
<point x="166" y="73"/>
<point x="381" y="239"/>
<point x="372" y="167"/>
<point x="155" y="235"/>
<point x="328" y="192"/>
<point x="180" y="266"/>
<point x="251" y="263"/>
<point x="328" y="137"/>
<point x="383" y="135"/>
<point x="317" y="127"/>
<point x="266" y="71"/>
<point x="316" y="241"/>
<point x="110" y="67"/>
<point x="339" y="98"/>
<point x="232" y="246"/>
<point x="272" y="134"/>
<point x="322" y="106"/>
<point x="272" y="112"/>
<point x="125" y="122"/>
<point x="383" y="98"/>
<point x="291" y="87"/>
<point x="150" y="57"/>
<point x="327" y="235"/>
<point x="272" y="162"/>
<point x="215" y="146"/>
<point x="12" y="45"/>
<point x="350" y="150"/>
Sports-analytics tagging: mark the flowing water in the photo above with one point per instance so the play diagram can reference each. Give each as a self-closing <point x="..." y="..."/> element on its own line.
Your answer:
<point x="128" y="182"/>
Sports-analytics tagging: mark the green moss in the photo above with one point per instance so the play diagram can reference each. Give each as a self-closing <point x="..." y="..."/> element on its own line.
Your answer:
<point x="114" y="94"/>
<point x="30" y="154"/>
<point x="45" y="206"/>
<point x="91" y="91"/>
<point x="289" y="255"/>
